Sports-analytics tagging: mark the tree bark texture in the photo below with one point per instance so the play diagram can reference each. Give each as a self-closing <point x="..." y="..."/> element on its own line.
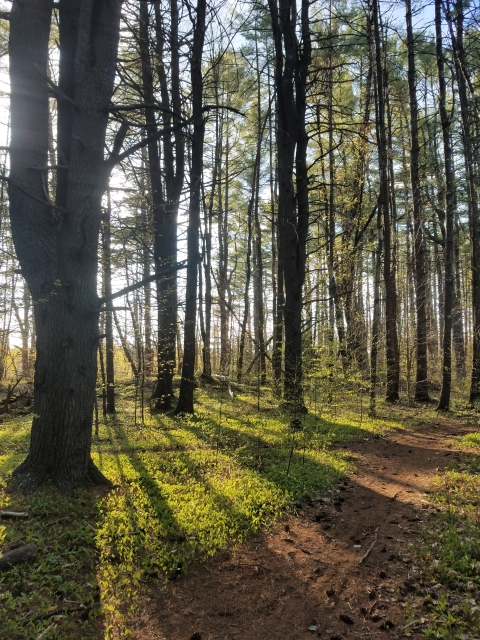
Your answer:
<point x="57" y="244"/>
<point x="291" y="71"/>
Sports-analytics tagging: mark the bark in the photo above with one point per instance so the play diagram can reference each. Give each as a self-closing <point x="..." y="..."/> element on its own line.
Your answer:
<point x="166" y="227"/>
<point x="392" y="349"/>
<point x="292" y="60"/>
<point x="377" y="260"/>
<point x="248" y="276"/>
<point x="215" y="192"/>
<point x="471" y="164"/>
<point x="259" y="312"/>
<point x="457" y="315"/>
<point x="444" y="401"/>
<point x="335" y="301"/>
<point x="187" y="384"/>
<point x="160" y="242"/>
<point x="277" y="267"/>
<point x="57" y="245"/>
<point x="222" y="284"/>
<point x="107" y="291"/>
<point x="421" y="382"/>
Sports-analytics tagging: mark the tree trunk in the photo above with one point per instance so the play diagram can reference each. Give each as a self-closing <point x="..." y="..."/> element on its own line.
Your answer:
<point x="109" y="343"/>
<point x="392" y="350"/>
<point x="291" y="71"/>
<point x="187" y="384"/>
<point x="222" y="285"/>
<point x="457" y="315"/>
<point x="248" y="275"/>
<point x="377" y="260"/>
<point x="444" y="401"/>
<point x="258" y="306"/>
<point x="421" y="383"/>
<point x="471" y="160"/>
<point x="57" y="246"/>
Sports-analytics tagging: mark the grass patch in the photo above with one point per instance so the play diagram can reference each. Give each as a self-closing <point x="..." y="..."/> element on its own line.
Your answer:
<point x="186" y="487"/>
<point x="451" y="553"/>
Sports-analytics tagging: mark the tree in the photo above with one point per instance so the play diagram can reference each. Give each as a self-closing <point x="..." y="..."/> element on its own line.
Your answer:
<point x="389" y="268"/>
<point x="421" y="387"/>
<point x="56" y="243"/>
<point x="292" y="61"/>
<point x="187" y="385"/>
<point x="449" y="212"/>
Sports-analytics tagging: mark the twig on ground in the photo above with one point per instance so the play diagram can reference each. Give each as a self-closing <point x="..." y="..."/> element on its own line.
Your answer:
<point x="61" y="611"/>
<point x="13" y="514"/>
<point x="257" y="566"/>
<point x="45" y="632"/>
<point x="410" y="624"/>
<point x="369" y="550"/>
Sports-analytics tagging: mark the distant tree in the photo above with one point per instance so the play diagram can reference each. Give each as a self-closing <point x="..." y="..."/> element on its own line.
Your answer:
<point x="449" y="214"/>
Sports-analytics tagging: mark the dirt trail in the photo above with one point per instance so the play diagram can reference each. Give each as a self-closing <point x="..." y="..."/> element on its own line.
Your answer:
<point x="306" y="578"/>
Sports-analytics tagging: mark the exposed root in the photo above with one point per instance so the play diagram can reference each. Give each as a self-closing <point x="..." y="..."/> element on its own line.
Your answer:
<point x="96" y="478"/>
<point x="28" y="479"/>
<point x="25" y="479"/>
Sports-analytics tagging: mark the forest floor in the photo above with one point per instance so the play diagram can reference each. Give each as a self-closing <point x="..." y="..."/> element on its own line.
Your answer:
<point x="229" y="526"/>
<point x="310" y="575"/>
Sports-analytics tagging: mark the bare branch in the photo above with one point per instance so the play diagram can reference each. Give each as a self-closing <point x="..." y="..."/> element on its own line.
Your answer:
<point x="156" y="276"/>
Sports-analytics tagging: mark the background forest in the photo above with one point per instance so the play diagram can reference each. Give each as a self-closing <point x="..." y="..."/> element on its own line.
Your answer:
<point x="239" y="271"/>
<point x="333" y="210"/>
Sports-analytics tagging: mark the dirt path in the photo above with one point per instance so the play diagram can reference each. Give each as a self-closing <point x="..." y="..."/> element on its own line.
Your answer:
<point x="306" y="577"/>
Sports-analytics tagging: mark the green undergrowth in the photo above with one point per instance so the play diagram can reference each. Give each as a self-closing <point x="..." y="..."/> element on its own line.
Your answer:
<point x="185" y="487"/>
<point x="451" y="552"/>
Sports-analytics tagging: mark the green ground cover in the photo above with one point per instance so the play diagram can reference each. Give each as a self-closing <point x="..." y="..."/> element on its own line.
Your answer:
<point x="186" y="487"/>
<point x="451" y="552"/>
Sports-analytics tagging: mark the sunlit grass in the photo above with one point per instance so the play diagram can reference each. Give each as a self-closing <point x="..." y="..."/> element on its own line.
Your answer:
<point x="186" y="487"/>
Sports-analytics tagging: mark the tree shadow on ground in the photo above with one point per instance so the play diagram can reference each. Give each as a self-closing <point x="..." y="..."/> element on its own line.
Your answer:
<point x="308" y="572"/>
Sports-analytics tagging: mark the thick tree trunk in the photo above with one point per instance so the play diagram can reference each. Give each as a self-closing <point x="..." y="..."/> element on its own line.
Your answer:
<point x="277" y="270"/>
<point x="291" y="71"/>
<point x="57" y="247"/>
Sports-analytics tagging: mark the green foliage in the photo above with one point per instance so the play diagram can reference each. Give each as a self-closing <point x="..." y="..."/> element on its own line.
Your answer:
<point x="452" y="551"/>
<point x="185" y="488"/>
